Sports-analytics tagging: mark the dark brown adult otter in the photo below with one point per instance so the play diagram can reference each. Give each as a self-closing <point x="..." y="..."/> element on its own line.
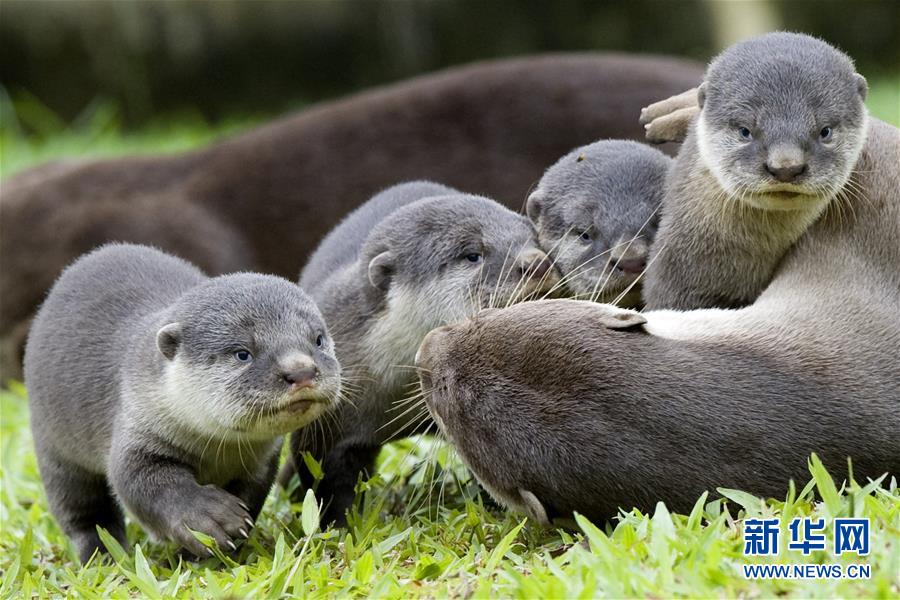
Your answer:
<point x="263" y="200"/>
<point x="557" y="412"/>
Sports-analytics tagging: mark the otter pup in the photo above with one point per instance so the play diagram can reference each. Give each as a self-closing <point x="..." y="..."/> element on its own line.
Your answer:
<point x="472" y="127"/>
<point x="414" y="257"/>
<point x="595" y="211"/>
<point x="156" y="389"/>
<point x="624" y="410"/>
<point x="765" y="158"/>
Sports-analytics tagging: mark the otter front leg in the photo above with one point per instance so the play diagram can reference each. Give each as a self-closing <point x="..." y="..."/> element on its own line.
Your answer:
<point x="342" y="467"/>
<point x="161" y="492"/>
<point x="254" y="490"/>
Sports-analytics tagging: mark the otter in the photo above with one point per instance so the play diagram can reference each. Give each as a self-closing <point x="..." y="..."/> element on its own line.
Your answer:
<point x="414" y="257"/>
<point x="245" y="203"/>
<point x="157" y="389"/>
<point x="595" y="211"/>
<point x="626" y="409"/>
<point x="764" y="158"/>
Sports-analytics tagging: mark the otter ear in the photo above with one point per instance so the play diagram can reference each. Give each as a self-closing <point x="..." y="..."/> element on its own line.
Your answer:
<point x="862" y="86"/>
<point x="533" y="508"/>
<point x="534" y="206"/>
<point x="701" y="94"/>
<point x="614" y="317"/>
<point x="168" y="338"/>
<point x="380" y="270"/>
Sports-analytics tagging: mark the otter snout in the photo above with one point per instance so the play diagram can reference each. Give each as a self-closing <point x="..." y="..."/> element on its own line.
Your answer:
<point x="299" y="372"/>
<point x="535" y="264"/>
<point x="633" y="266"/>
<point x="786" y="163"/>
<point x="426" y="348"/>
<point x="629" y="256"/>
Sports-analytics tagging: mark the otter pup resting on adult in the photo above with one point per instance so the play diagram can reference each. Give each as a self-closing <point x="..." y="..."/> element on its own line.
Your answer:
<point x="414" y="257"/>
<point x="156" y="389"/>
<point x="595" y="212"/>
<point x="764" y="158"/>
<point x="554" y="418"/>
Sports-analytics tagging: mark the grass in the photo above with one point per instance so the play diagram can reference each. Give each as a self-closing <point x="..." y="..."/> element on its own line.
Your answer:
<point x="424" y="529"/>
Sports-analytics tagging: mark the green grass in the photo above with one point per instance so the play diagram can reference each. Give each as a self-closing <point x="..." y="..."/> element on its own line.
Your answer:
<point x="428" y="532"/>
<point x="425" y="530"/>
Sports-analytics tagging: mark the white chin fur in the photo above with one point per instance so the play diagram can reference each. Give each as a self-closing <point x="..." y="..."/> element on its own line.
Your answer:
<point x="410" y="314"/>
<point x="781" y="203"/>
<point x="190" y="400"/>
<point x="813" y="203"/>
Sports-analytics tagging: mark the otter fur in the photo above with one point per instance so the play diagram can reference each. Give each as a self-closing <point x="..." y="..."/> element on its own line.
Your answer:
<point x="163" y="392"/>
<point x="558" y="408"/>
<point x="264" y="199"/>
<point x="416" y="256"/>
<point x="773" y="147"/>
<point x="595" y="212"/>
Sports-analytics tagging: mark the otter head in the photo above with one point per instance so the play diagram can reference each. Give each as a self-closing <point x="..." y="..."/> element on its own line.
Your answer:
<point x="595" y="212"/>
<point x="249" y="356"/>
<point x="782" y="121"/>
<point x="440" y="259"/>
<point x="515" y="390"/>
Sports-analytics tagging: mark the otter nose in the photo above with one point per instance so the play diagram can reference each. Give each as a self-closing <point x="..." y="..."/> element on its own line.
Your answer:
<point x="302" y="376"/>
<point x="788" y="173"/>
<point x="534" y="264"/>
<point x="632" y="266"/>
<point x="426" y="348"/>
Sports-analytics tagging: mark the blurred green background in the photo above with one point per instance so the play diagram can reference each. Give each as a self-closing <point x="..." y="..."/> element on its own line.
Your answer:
<point x="76" y="72"/>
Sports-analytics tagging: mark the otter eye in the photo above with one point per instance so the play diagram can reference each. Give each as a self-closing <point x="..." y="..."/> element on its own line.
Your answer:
<point x="243" y="356"/>
<point x="825" y="134"/>
<point x="586" y="237"/>
<point x="745" y="133"/>
<point x="320" y="341"/>
<point x="475" y="257"/>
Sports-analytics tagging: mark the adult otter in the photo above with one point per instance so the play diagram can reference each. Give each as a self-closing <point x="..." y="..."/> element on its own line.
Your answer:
<point x="595" y="212"/>
<point x="159" y="390"/>
<point x="765" y="158"/>
<point x="264" y="199"/>
<point x="414" y="257"/>
<point x="554" y="417"/>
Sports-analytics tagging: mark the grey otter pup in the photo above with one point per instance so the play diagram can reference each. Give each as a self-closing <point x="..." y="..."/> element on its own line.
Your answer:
<point x="176" y="414"/>
<point x="414" y="257"/>
<point x="684" y="402"/>
<point x="780" y="128"/>
<point x="595" y="211"/>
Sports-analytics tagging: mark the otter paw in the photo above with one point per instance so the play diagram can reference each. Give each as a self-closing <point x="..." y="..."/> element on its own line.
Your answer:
<point x="672" y="127"/>
<point x="668" y="106"/>
<point x="216" y="513"/>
